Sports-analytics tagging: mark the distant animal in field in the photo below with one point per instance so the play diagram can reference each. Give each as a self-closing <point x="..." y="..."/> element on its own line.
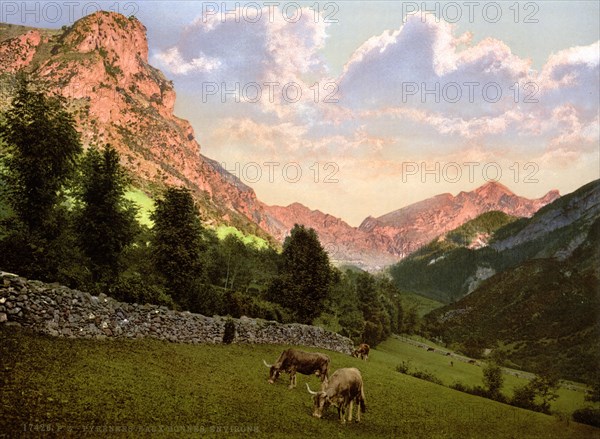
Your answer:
<point x="345" y="387"/>
<point x="430" y="349"/>
<point x="362" y="351"/>
<point x="292" y="361"/>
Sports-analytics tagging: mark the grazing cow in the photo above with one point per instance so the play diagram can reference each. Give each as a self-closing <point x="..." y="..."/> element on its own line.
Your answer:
<point x="307" y="363"/>
<point x="472" y="362"/>
<point x="430" y="349"/>
<point x="345" y="387"/>
<point x="362" y="352"/>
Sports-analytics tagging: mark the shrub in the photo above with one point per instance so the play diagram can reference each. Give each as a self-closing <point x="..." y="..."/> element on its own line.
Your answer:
<point x="493" y="379"/>
<point x="524" y="397"/>
<point x="229" y="334"/>
<point x="403" y="367"/>
<point x="460" y="387"/>
<point x="427" y="376"/>
<point x="587" y="415"/>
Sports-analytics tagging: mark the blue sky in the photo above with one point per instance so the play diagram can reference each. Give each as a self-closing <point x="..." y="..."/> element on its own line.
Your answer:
<point x="359" y="108"/>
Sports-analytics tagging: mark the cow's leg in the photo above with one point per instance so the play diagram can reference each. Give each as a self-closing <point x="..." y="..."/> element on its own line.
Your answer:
<point x="357" y="411"/>
<point x="292" y="379"/>
<point x="350" y="414"/>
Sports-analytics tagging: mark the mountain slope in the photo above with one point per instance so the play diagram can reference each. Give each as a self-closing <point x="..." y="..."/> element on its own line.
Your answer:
<point x="407" y="229"/>
<point x="391" y="237"/>
<point x="447" y="267"/>
<point x="100" y="65"/>
<point x="545" y="311"/>
<point x="344" y="243"/>
<point x="446" y="271"/>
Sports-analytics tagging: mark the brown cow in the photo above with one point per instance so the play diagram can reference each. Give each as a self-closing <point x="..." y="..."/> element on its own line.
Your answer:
<point x="362" y="351"/>
<point x="345" y="387"/>
<point x="306" y="363"/>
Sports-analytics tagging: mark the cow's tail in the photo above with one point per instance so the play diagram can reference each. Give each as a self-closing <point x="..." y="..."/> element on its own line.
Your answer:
<point x="363" y="406"/>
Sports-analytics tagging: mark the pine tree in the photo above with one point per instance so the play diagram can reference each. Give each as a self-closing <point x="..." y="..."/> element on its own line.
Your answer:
<point x="105" y="221"/>
<point x="305" y="275"/>
<point x="177" y="248"/>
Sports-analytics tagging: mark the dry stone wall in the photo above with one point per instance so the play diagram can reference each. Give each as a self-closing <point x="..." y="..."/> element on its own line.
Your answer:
<point x="62" y="312"/>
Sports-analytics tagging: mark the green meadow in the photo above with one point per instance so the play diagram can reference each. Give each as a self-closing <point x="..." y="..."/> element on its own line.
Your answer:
<point x="145" y="206"/>
<point x="393" y="351"/>
<point x="137" y="388"/>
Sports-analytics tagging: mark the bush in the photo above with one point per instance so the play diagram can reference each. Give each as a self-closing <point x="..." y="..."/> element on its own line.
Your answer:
<point x="587" y="415"/>
<point x="133" y="288"/>
<point x="229" y="334"/>
<point x="403" y="367"/>
<point x="427" y="376"/>
<point x="493" y="379"/>
<point x="524" y="397"/>
<point x="460" y="387"/>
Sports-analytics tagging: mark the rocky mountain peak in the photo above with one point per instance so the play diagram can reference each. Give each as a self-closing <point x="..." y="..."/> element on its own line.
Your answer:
<point x="100" y="65"/>
<point x="493" y="189"/>
<point x="123" y="39"/>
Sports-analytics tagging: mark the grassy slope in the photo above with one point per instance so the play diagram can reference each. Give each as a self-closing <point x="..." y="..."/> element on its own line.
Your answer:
<point x="151" y="383"/>
<point x="146" y="206"/>
<point x="144" y="203"/>
<point x="471" y="375"/>
<point x="423" y="305"/>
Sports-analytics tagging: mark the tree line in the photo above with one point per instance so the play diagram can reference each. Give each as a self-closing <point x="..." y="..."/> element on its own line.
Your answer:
<point x="64" y="218"/>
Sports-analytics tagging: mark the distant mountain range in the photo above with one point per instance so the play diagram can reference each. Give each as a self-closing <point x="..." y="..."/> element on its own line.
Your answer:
<point x="539" y="301"/>
<point x="100" y="65"/>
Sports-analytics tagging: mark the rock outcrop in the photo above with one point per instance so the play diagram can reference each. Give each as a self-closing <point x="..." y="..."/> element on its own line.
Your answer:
<point x="61" y="312"/>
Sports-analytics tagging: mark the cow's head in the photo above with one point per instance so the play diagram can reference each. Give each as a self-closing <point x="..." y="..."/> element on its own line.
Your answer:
<point x="355" y="353"/>
<point x="273" y="372"/>
<point x="321" y="402"/>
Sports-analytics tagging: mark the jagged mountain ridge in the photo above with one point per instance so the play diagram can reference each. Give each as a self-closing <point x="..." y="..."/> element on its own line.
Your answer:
<point x="407" y="229"/>
<point x="100" y="65"/>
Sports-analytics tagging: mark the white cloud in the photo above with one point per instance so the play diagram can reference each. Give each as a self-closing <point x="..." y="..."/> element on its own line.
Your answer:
<point x="172" y="59"/>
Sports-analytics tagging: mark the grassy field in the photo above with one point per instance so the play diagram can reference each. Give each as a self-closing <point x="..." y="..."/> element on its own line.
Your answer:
<point x="471" y="375"/>
<point x="139" y="387"/>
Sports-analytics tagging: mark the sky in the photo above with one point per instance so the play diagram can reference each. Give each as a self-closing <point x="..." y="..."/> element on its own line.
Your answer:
<point x="361" y="108"/>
